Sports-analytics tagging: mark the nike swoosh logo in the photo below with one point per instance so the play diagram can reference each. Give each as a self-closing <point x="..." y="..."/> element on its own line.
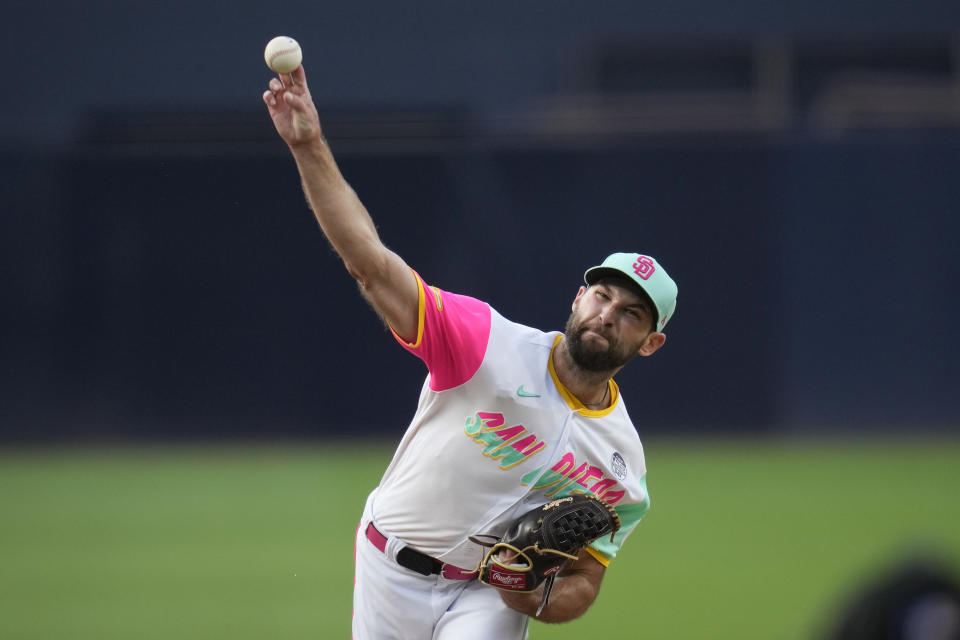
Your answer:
<point x="526" y="394"/>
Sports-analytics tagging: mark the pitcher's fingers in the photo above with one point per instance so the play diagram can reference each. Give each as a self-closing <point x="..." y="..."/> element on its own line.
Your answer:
<point x="297" y="103"/>
<point x="269" y="98"/>
<point x="299" y="76"/>
<point x="275" y="85"/>
<point x="290" y="82"/>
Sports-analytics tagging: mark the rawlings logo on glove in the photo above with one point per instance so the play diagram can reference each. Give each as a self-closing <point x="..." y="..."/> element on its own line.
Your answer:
<point x="538" y="543"/>
<point x="505" y="579"/>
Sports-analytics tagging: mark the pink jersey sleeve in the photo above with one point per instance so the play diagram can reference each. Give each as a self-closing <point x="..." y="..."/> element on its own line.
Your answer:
<point x="452" y="335"/>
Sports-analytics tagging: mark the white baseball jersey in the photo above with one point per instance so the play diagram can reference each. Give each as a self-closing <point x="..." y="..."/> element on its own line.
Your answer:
<point x="496" y="433"/>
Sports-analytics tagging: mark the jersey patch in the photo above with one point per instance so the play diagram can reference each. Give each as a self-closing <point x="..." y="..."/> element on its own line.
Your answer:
<point x="618" y="465"/>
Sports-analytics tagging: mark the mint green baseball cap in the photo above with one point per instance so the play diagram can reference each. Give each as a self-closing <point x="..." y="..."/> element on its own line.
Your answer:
<point x="647" y="274"/>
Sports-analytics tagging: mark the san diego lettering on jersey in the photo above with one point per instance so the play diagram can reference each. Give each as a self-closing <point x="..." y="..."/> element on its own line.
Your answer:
<point x="513" y="445"/>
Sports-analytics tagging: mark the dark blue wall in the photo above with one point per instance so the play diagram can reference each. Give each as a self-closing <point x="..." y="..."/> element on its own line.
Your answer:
<point x="162" y="275"/>
<point x="179" y="295"/>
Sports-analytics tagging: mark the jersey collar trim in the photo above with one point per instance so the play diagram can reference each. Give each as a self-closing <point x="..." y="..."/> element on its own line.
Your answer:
<point x="572" y="401"/>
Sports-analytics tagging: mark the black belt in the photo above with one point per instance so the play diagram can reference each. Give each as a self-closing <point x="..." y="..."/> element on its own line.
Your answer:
<point x="417" y="561"/>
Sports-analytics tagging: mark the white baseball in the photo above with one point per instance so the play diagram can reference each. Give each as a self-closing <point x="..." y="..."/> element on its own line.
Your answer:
<point x="283" y="54"/>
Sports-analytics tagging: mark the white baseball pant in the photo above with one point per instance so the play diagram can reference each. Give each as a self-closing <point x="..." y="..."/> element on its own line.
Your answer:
<point x="391" y="602"/>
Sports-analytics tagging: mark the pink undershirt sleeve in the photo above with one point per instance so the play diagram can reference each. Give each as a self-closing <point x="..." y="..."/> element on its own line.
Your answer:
<point x="452" y="335"/>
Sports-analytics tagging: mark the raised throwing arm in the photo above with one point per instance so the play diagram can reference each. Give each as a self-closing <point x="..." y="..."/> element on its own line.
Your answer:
<point x="385" y="279"/>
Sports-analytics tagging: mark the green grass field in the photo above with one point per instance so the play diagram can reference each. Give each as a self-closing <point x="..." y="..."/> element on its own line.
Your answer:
<point x="744" y="539"/>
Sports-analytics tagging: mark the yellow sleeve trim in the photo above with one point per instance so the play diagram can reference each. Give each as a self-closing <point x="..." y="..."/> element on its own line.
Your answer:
<point x="421" y="311"/>
<point x="599" y="557"/>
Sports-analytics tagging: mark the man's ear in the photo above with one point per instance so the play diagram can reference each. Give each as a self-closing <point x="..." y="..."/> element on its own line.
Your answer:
<point x="653" y="342"/>
<point x="580" y="293"/>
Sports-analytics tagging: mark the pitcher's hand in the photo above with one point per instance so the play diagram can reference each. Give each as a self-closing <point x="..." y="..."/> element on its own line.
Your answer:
<point x="291" y="108"/>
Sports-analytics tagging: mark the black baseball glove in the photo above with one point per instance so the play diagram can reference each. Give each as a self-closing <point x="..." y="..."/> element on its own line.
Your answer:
<point x="538" y="543"/>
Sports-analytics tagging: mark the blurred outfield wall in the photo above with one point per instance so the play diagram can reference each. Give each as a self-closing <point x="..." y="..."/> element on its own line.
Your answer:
<point x="182" y="295"/>
<point x="795" y="168"/>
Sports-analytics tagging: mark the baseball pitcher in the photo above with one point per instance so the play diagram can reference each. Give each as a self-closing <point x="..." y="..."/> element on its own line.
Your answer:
<point x="520" y="474"/>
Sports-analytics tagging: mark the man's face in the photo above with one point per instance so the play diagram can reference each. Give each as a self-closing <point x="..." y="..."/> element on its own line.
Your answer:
<point x="610" y="324"/>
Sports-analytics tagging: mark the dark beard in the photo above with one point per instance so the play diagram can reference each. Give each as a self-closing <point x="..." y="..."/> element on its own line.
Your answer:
<point x="591" y="358"/>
